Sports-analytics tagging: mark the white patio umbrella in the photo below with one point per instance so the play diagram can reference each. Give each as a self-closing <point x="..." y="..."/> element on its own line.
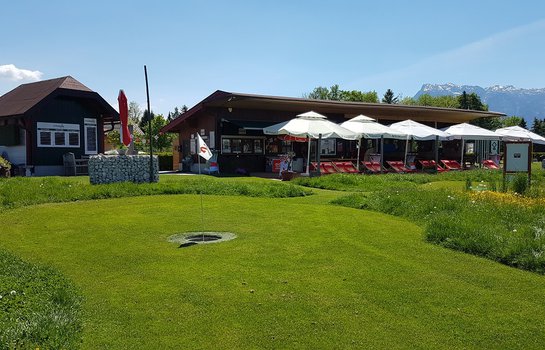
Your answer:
<point x="311" y="125"/>
<point x="465" y="131"/>
<point x="368" y="128"/>
<point x="517" y="133"/>
<point x="420" y="132"/>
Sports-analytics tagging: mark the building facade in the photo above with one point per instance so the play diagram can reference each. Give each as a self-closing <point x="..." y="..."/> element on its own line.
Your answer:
<point x="232" y="125"/>
<point x="40" y="122"/>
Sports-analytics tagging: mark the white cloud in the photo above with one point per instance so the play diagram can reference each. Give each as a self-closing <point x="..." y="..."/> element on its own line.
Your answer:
<point x="12" y="73"/>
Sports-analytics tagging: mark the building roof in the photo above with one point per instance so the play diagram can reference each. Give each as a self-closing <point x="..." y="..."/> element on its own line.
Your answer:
<point x="379" y="111"/>
<point x="24" y="97"/>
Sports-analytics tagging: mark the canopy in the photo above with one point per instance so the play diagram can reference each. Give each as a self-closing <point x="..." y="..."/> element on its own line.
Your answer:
<point x="471" y="132"/>
<point x="517" y="133"/>
<point x="310" y="124"/>
<point x="368" y="128"/>
<point x="418" y="131"/>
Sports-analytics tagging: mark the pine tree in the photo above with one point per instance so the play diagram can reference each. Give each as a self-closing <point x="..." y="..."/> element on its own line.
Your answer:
<point x="389" y="97"/>
<point x="464" y="103"/>
<point x="538" y="126"/>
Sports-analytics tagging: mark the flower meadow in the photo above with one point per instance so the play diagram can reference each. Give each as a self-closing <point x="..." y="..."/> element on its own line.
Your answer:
<point x="505" y="227"/>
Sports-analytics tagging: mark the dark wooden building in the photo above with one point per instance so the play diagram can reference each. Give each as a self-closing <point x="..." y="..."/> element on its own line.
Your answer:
<point x="39" y="122"/>
<point x="232" y="123"/>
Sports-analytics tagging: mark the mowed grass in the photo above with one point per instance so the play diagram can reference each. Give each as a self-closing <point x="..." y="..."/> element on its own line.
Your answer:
<point x="299" y="275"/>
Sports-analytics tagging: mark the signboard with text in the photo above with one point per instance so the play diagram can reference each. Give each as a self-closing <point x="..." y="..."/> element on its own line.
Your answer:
<point x="517" y="159"/>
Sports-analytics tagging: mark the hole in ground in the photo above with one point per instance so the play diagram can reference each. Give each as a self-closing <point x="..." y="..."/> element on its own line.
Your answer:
<point x="189" y="239"/>
<point x="203" y="238"/>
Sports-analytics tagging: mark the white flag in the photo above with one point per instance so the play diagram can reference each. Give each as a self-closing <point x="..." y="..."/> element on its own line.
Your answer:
<point x="202" y="148"/>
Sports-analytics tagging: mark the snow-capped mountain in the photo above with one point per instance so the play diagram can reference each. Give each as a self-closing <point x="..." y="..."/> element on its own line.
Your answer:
<point x="526" y="103"/>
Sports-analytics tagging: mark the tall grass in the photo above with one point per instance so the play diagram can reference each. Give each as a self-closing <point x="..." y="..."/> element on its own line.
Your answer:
<point x="39" y="309"/>
<point x="503" y="227"/>
<point x="366" y="183"/>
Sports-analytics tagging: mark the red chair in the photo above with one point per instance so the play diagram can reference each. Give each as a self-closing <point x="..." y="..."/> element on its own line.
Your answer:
<point x="428" y="165"/>
<point x="490" y="164"/>
<point x="327" y="168"/>
<point x="372" y="167"/>
<point x="398" y="166"/>
<point x="346" y="167"/>
<point x="451" y="164"/>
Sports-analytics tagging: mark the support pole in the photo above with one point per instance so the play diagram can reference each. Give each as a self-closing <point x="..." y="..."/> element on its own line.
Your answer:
<point x="308" y="157"/>
<point x="436" y="151"/>
<point x="149" y="128"/>
<point x="319" y="152"/>
<point x="381" y="153"/>
<point x="406" y="150"/>
<point x="462" y="155"/>
<point x="358" y="157"/>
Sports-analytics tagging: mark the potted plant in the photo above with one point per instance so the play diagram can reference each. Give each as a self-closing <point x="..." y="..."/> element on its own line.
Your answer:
<point x="5" y="168"/>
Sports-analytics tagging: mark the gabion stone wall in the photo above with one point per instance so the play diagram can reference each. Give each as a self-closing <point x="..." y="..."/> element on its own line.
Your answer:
<point x="119" y="168"/>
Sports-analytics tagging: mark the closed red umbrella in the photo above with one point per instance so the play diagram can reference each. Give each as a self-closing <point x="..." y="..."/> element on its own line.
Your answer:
<point x="126" y="137"/>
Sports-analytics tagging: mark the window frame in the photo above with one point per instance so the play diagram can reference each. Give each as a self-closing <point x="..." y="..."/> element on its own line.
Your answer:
<point x="52" y="129"/>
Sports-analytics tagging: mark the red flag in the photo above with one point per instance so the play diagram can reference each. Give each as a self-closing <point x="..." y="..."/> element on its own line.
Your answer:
<point x="126" y="137"/>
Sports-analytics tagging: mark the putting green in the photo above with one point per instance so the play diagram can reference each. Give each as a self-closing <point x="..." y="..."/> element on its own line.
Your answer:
<point x="299" y="275"/>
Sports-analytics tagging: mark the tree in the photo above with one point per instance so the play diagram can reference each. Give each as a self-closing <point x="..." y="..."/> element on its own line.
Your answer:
<point x="135" y="113"/>
<point x="389" y="97"/>
<point x="336" y="94"/>
<point x="177" y="112"/>
<point x="323" y="93"/>
<point x="161" y="142"/>
<point x="463" y="101"/>
<point x="513" y="121"/>
<point x="471" y="101"/>
<point x="408" y="101"/>
<point x="425" y="100"/>
<point x="359" y="96"/>
<point x="145" y="119"/>
<point x="538" y="126"/>
<point x="490" y="123"/>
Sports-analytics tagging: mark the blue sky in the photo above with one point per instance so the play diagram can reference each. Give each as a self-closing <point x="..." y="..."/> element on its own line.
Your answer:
<point x="286" y="48"/>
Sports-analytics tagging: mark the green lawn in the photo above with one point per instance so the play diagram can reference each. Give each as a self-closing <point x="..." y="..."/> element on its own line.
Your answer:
<point x="301" y="274"/>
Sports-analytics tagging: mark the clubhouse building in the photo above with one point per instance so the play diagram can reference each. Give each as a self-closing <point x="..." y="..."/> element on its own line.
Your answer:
<point x="232" y="126"/>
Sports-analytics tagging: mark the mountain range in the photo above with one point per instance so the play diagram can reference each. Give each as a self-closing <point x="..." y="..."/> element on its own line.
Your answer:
<point x="526" y="103"/>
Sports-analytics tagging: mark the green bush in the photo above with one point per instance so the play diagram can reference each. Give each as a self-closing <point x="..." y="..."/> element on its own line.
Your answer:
<point x="39" y="308"/>
<point x="165" y="160"/>
<point x="5" y="167"/>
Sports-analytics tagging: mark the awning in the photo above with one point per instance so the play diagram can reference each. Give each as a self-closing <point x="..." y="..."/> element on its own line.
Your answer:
<point x="249" y="124"/>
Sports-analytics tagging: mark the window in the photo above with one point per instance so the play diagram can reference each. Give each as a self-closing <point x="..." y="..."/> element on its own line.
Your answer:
<point x="45" y="138"/>
<point x="91" y="144"/>
<point x="60" y="139"/>
<point x="58" y="135"/>
<point x="73" y="139"/>
<point x="242" y="144"/>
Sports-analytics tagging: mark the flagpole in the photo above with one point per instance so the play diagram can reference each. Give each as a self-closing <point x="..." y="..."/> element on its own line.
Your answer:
<point x="149" y="127"/>
<point x="200" y="190"/>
